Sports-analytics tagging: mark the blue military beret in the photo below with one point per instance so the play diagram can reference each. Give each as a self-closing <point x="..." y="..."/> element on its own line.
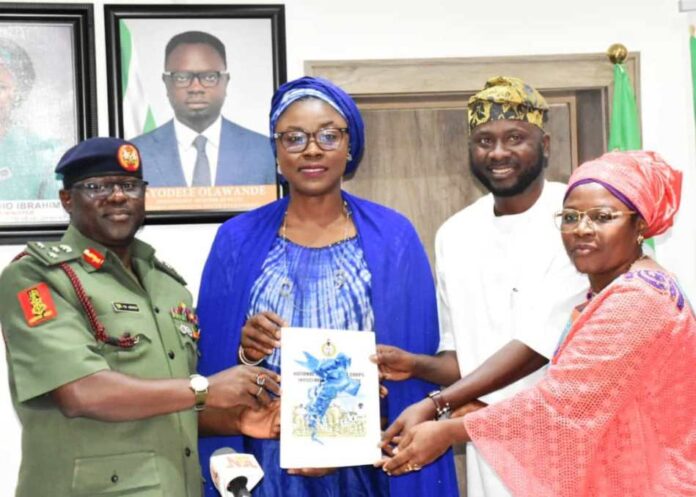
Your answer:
<point x="99" y="157"/>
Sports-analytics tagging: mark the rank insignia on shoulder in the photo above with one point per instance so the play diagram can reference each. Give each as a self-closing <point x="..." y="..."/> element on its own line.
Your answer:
<point x="37" y="304"/>
<point x="50" y="253"/>
<point x="125" y="307"/>
<point x="189" y="325"/>
<point x="170" y="271"/>
<point x="93" y="257"/>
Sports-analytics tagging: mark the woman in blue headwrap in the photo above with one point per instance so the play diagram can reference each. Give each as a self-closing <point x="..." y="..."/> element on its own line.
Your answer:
<point x="318" y="258"/>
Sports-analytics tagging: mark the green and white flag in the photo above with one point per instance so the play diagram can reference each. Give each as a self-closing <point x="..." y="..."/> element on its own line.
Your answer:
<point x="624" y="133"/>
<point x="137" y="114"/>
<point x="692" y="40"/>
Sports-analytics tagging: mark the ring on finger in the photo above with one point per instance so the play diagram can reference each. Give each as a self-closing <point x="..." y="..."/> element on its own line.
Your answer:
<point x="409" y="468"/>
<point x="260" y="379"/>
<point x="416" y="467"/>
<point x="259" y="391"/>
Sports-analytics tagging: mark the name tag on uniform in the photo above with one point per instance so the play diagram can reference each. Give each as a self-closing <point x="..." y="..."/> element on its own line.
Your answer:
<point x="124" y="307"/>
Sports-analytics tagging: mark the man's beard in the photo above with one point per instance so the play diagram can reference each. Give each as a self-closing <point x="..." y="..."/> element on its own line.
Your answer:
<point x="523" y="181"/>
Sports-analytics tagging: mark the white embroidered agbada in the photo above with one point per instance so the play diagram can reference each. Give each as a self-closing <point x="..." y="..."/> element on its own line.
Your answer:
<point x="503" y="278"/>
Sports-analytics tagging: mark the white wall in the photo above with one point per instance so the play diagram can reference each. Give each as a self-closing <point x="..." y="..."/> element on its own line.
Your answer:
<point x="381" y="29"/>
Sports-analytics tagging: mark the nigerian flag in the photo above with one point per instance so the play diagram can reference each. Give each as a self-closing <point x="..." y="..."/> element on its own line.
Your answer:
<point x="624" y="132"/>
<point x="137" y="114"/>
<point x="693" y="66"/>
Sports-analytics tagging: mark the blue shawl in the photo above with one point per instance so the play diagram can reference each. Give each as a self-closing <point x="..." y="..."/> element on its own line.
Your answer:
<point x="403" y="300"/>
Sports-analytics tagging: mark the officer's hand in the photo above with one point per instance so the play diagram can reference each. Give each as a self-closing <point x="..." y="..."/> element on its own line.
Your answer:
<point x="394" y="363"/>
<point x="249" y="386"/>
<point x="261" y="334"/>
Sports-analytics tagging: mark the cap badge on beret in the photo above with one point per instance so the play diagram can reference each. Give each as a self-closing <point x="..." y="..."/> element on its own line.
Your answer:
<point x="128" y="157"/>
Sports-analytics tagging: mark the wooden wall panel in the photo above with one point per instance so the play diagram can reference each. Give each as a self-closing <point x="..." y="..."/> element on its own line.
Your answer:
<point x="416" y="159"/>
<point x="416" y="162"/>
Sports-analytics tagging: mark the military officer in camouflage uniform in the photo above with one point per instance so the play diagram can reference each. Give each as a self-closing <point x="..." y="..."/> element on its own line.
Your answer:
<point x="101" y="349"/>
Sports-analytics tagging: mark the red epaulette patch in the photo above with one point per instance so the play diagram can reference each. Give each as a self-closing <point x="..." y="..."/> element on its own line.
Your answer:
<point x="93" y="257"/>
<point x="37" y="304"/>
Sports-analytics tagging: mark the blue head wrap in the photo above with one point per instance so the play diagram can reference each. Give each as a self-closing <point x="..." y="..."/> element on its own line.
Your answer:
<point x="325" y="90"/>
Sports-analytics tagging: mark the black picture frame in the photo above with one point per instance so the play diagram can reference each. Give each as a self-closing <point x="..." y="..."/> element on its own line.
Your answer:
<point x="161" y="22"/>
<point x="57" y="110"/>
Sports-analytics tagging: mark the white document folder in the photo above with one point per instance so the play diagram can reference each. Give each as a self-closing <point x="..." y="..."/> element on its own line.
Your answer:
<point x="329" y="409"/>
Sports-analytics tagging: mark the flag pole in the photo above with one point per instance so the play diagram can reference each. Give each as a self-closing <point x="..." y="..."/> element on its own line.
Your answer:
<point x="624" y="129"/>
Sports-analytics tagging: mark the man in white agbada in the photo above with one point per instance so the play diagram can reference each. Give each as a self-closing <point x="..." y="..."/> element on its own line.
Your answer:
<point x="506" y="287"/>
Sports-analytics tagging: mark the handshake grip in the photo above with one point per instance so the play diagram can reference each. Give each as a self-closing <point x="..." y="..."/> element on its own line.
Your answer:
<point x="234" y="474"/>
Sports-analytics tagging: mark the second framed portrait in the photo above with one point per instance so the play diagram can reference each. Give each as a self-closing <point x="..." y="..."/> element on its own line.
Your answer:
<point x="47" y="105"/>
<point x="191" y="86"/>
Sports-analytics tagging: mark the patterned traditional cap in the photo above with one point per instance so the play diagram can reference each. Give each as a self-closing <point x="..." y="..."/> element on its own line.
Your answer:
<point x="505" y="97"/>
<point x="99" y="157"/>
<point x="640" y="179"/>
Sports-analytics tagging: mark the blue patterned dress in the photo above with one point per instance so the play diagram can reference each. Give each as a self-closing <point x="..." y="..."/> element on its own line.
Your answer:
<point x="326" y="287"/>
<point x="402" y="302"/>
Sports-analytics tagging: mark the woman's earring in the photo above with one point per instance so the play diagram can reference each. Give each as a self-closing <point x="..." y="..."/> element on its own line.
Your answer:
<point x="278" y="167"/>
<point x="640" y="239"/>
<point x="349" y="157"/>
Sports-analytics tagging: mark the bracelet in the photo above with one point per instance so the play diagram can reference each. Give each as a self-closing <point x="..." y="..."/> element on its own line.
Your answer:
<point x="244" y="360"/>
<point x="442" y="411"/>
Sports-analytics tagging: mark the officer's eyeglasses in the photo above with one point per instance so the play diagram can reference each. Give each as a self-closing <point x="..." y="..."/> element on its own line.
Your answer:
<point x="101" y="191"/>
<point x="183" y="79"/>
<point x="297" y="141"/>
<point x="569" y="219"/>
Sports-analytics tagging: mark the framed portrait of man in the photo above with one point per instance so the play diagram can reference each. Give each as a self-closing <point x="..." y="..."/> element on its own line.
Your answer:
<point x="47" y="104"/>
<point x="191" y="87"/>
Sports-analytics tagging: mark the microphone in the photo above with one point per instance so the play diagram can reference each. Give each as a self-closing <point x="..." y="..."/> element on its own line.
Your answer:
<point x="234" y="474"/>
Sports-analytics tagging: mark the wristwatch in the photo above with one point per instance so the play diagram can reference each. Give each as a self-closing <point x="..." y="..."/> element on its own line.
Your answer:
<point x="199" y="385"/>
<point x="442" y="407"/>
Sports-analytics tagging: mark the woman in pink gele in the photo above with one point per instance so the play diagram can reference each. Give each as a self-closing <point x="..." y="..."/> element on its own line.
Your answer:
<point x="614" y="415"/>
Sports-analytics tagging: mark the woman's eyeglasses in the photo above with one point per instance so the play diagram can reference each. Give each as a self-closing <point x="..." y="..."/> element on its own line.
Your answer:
<point x="569" y="219"/>
<point x="297" y="141"/>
